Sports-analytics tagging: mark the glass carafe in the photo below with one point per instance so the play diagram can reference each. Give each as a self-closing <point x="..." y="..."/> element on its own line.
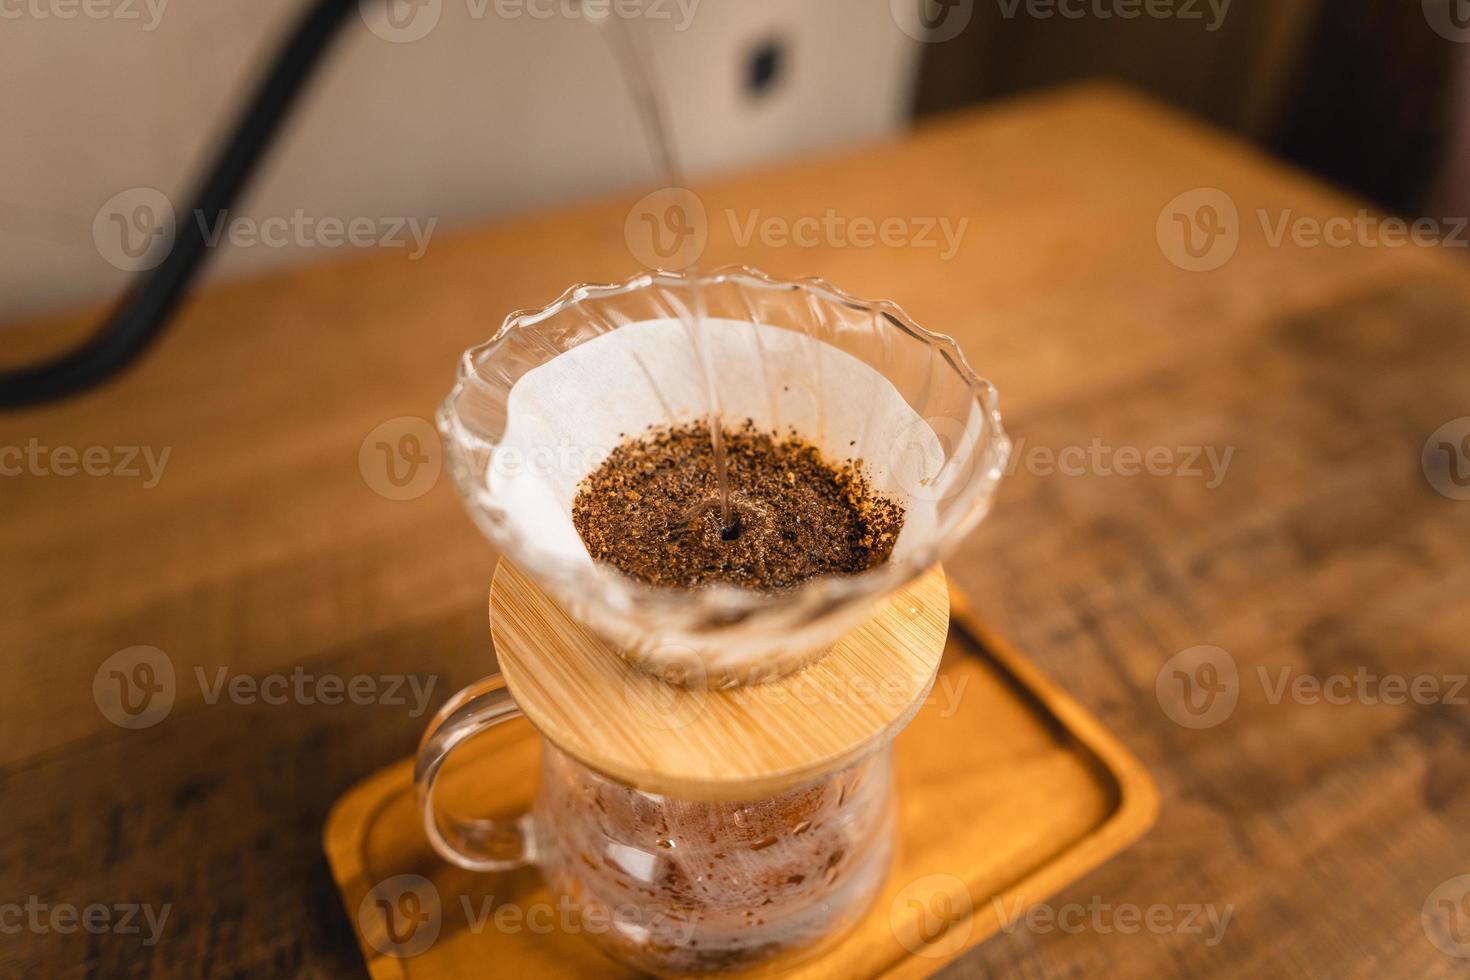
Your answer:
<point x="671" y="886"/>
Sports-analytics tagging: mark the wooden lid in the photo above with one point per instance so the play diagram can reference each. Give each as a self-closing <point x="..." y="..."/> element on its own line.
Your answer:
<point x="697" y="743"/>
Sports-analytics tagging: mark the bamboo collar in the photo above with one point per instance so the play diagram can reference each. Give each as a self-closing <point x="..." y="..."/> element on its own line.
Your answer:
<point x="735" y="744"/>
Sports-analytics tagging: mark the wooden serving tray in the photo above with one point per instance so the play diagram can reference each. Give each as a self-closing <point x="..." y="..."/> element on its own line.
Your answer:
<point x="1008" y="791"/>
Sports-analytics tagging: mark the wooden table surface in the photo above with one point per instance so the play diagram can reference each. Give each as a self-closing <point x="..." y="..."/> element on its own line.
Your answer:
<point x="1324" y="551"/>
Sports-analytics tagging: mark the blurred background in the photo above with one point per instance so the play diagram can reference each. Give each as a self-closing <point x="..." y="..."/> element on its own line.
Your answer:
<point x="307" y="524"/>
<point x="459" y="110"/>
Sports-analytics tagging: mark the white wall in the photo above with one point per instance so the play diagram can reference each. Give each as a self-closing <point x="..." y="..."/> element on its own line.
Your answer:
<point x="492" y="111"/>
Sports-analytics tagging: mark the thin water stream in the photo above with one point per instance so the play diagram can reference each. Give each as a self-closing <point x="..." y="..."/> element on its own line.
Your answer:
<point x="656" y="128"/>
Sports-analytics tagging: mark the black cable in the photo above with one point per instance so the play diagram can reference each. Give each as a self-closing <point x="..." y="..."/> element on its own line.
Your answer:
<point x="144" y="310"/>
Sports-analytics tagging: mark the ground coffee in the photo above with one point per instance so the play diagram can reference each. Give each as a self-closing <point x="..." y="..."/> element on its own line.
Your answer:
<point x="652" y="510"/>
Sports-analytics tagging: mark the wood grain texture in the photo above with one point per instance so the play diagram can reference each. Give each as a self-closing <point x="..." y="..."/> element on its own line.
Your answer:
<point x="1047" y="797"/>
<point x="717" y="744"/>
<point x="263" y="548"/>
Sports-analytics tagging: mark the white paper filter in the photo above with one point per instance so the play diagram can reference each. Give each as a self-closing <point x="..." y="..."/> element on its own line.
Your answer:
<point x="565" y="416"/>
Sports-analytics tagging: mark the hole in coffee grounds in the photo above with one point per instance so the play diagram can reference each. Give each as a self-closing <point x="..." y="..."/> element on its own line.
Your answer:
<point x="731" y="531"/>
<point x="652" y="511"/>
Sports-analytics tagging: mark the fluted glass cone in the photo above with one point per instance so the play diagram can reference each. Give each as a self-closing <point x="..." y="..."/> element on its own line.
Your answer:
<point x="539" y="405"/>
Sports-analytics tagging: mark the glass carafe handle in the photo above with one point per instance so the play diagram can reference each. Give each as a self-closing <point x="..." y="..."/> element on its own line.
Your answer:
<point x="477" y="844"/>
